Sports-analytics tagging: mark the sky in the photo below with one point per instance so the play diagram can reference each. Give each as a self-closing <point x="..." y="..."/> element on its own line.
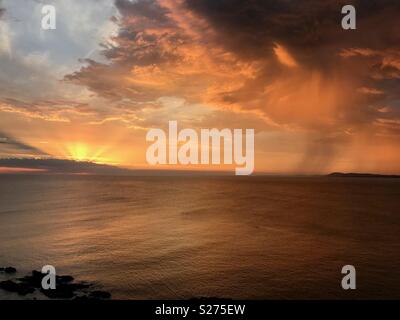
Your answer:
<point x="320" y="98"/>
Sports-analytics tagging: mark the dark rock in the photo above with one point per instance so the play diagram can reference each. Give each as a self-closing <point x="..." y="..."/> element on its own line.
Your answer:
<point x="9" y="286"/>
<point x="61" y="292"/>
<point x="100" y="295"/>
<point x="8" y="270"/>
<point x="37" y="274"/>
<point x="34" y="280"/>
<point x="64" y="279"/>
<point x="20" y="288"/>
<point x="66" y="288"/>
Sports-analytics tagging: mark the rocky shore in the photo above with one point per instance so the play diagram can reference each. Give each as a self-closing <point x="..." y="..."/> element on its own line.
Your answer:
<point x="66" y="286"/>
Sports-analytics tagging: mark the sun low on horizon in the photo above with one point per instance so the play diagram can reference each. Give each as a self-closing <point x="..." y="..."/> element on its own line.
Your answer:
<point x="82" y="152"/>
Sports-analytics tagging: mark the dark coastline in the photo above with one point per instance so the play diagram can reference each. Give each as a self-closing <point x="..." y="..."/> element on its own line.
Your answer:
<point x="360" y="175"/>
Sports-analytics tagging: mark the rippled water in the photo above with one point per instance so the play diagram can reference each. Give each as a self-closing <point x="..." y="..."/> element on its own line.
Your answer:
<point x="184" y="237"/>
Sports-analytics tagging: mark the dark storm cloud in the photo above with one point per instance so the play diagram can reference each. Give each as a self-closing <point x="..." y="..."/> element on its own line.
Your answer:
<point x="311" y="29"/>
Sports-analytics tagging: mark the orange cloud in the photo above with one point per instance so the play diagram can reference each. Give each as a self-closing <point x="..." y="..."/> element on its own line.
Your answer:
<point x="284" y="56"/>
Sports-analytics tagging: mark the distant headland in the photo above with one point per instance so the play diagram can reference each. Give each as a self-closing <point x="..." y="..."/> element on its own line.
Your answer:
<point x="361" y="175"/>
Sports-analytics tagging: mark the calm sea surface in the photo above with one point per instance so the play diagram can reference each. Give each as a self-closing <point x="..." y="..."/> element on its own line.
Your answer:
<point x="185" y="237"/>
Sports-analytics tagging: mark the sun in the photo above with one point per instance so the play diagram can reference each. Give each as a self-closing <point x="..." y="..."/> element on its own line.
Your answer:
<point x="79" y="152"/>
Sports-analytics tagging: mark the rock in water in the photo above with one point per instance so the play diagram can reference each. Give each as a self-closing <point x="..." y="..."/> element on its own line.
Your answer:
<point x="61" y="292"/>
<point x="66" y="288"/>
<point x="8" y="270"/>
<point x="64" y="279"/>
<point x="34" y="280"/>
<point x="20" y="288"/>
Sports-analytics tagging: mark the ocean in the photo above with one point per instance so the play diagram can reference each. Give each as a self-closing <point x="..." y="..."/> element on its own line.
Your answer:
<point x="256" y="237"/>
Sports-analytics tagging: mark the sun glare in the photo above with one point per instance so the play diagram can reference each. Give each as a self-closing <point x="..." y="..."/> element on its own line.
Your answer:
<point x="79" y="152"/>
<point x="83" y="152"/>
